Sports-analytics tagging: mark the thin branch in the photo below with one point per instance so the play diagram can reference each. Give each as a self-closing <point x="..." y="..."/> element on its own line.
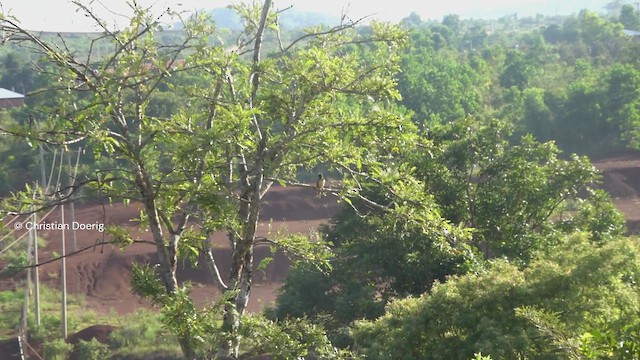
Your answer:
<point x="21" y="268"/>
<point x="334" y="29"/>
<point x="255" y="75"/>
<point x="47" y="141"/>
<point x="213" y="267"/>
<point x="63" y="200"/>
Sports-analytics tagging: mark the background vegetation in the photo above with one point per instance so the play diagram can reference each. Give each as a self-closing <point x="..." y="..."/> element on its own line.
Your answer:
<point x="476" y="230"/>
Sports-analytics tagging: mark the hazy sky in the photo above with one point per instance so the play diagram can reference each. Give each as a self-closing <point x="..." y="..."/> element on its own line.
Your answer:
<point x="60" y="15"/>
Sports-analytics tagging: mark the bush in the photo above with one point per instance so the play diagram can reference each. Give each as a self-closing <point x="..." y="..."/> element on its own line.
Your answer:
<point x="141" y="336"/>
<point x="11" y="306"/>
<point x="56" y="350"/>
<point x="91" y="350"/>
<point x="142" y="329"/>
<point x="49" y="328"/>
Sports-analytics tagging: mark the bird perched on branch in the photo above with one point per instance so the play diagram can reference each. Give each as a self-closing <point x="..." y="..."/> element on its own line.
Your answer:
<point x="320" y="185"/>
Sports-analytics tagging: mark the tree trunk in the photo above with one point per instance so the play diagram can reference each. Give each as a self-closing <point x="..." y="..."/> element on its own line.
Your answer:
<point x="167" y="253"/>
<point x="241" y="274"/>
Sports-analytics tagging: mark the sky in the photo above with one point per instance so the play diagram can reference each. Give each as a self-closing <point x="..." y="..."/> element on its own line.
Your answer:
<point x="61" y="15"/>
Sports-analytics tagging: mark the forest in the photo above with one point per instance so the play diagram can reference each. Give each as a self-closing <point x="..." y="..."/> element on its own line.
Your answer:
<point x="472" y="222"/>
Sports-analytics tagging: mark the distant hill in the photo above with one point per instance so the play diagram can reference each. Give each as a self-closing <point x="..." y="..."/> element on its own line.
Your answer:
<point x="289" y="20"/>
<point x="489" y="10"/>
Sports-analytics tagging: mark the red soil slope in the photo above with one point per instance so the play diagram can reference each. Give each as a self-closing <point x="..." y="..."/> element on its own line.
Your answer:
<point x="102" y="274"/>
<point x="621" y="178"/>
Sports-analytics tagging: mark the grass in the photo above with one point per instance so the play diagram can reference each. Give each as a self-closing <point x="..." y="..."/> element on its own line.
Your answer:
<point x="16" y="250"/>
<point x="10" y="309"/>
<point x="139" y="335"/>
<point x="78" y="317"/>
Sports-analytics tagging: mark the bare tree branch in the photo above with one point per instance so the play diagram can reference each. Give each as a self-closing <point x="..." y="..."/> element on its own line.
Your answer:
<point x="21" y="268"/>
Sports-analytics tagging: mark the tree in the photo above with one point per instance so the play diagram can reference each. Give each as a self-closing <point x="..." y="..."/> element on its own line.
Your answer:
<point x="629" y="17"/>
<point x="507" y="190"/>
<point x="483" y="194"/>
<point x="552" y="309"/>
<point x="377" y="259"/>
<point x="518" y="70"/>
<point x="452" y="21"/>
<point x="537" y="117"/>
<point x="435" y="83"/>
<point x="621" y="102"/>
<point x="249" y="122"/>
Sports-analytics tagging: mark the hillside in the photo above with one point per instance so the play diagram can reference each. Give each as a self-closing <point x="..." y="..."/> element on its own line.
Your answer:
<point x="621" y="178"/>
<point x="102" y="274"/>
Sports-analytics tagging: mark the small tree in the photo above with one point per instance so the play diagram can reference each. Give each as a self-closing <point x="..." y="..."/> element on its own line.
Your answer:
<point x="246" y="123"/>
<point x="580" y="302"/>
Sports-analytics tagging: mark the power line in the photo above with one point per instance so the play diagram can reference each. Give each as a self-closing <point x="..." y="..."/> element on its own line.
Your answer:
<point x="23" y="235"/>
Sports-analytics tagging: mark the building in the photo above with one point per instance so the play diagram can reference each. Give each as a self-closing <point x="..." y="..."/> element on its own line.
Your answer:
<point x="9" y="99"/>
<point x="631" y="32"/>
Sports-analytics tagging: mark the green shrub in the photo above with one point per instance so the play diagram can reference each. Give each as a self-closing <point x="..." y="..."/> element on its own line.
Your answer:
<point x="140" y="329"/>
<point x="49" y="328"/>
<point x="141" y="336"/>
<point x="11" y="307"/>
<point x="56" y="350"/>
<point x="91" y="350"/>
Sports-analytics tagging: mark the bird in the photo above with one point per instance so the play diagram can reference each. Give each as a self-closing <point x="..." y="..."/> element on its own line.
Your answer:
<point x="320" y="185"/>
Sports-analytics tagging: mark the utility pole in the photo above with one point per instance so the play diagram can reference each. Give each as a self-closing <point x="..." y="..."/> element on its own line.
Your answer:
<point x="72" y="181"/>
<point x="43" y="179"/>
<point x="27" y="289"/>
<point x="34" y="219"/>
<point x="36" y="272"/>
<point x="63" y="264"/>
<point x="63" y="276"/>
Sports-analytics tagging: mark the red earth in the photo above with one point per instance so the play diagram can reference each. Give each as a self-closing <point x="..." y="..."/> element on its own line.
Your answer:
<point x="621" y="178"/>
<point x="102" y="274"/>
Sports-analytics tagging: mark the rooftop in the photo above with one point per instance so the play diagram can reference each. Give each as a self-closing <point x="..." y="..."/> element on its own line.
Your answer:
<point x="8" y="94"/>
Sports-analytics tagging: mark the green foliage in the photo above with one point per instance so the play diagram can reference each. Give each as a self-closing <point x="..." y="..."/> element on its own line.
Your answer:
<point x="91" y="350"/>
<point x="16" y="263"/>
<point x="378" y="257"/>
<point x="146" y="283"/>
<point x="629" y="17"/>
<point x="11" y="308"/>
<point x="612" y="343"/>
<point x="178" y="313"/>
<point x="18" y="157"/>
<point x="141" y="331"/>
<point x="479" y="356"/>
<point x="517" y="72"/>
<point x="304" y="293"/>
<point x="56" y="349"/>
<point x="240" y="127"/>
<point x="505" y="198"/>
<point x="437" y="85"/>
<point x="520" y="74"/>
<point x="508" y="193"/>
<point x="578" y="289"/>
<point x="198" y="133"/>
<point x="49" y="328"/>
<point x="603" y="340"/>
<point x="201" y="327"/>
<point x="119" y="236"/>
<point x="598" y="217"/>
<point x="291" y="339"/>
